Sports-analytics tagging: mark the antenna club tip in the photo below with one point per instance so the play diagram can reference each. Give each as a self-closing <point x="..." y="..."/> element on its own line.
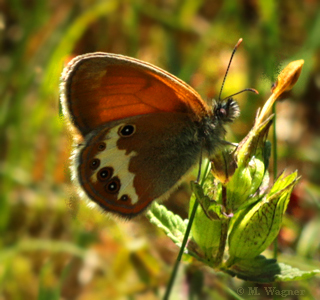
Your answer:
<point x="255" y="91"/>
<point x="239" y="42"/>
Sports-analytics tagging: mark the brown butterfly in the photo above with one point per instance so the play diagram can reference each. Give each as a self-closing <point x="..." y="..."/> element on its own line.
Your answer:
<point x="142" y="130"/>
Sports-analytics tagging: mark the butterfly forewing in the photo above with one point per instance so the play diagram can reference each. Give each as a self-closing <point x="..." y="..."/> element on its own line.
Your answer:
<point x="99" y="88"/>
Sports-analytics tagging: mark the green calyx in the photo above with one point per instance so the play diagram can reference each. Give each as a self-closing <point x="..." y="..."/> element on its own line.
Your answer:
<point x="256" y="226"/>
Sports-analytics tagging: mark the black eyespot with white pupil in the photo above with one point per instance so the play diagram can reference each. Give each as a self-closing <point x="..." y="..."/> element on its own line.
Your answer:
<point x="113" y="186"/>
<point x="105" y="174"/>
<point x="124" y="198"/>
<point x="94" y="164"/>
<point x="127" y="130"/>
<point x="102" y="146"/>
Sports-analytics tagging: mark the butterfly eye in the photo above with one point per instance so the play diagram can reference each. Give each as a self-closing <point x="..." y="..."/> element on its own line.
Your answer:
<point x="223" y="112"/>
<point x="102" y="146"/>
<point x="105" y="173"/>
<point x="94" y="164"/>
<point x="127" y="130"/>
<point x="113" y="186"/>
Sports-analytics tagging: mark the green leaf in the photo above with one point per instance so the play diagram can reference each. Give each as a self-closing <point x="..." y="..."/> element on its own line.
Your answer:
<point x="171" y="224"/>
<point x="289" y="273"/>
<point x="263" y="270"/>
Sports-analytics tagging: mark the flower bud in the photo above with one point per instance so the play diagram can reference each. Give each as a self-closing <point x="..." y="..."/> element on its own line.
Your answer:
<point x="206" y="228"/>
<point x="288" y="77"/>
<point x="255" y="227"/>
<point x="252" y="157"/>
<point x="223" y="164"/>
<point x="285" y="81"/>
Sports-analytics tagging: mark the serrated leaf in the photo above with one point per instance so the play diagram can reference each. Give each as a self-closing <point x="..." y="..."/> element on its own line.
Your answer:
<point x="263" y="270"/>
<point x="170" y="223"/>
<point x="289" y="273"/>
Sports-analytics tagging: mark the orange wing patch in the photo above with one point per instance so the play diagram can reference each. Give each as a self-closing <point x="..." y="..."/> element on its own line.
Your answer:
<point x="101" y="88"/>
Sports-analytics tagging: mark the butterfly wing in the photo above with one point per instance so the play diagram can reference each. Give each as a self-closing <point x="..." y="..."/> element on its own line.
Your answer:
<point x="99" y="88"/>
<point x="127" y="164"/>
<point x="138" y="126"/>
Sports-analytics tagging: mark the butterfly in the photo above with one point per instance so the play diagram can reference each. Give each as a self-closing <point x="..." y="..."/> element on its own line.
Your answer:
<point x="139" y="130"/>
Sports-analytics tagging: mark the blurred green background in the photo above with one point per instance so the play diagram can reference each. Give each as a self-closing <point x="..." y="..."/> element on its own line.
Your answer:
<point x="52" y="246"/>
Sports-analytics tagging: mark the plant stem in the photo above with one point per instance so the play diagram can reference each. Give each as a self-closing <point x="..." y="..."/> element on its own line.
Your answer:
<point x="184" y="242"/>
<point x="275" y="169"/>
<point x="186" y="235"/>
<point x="224" y="287"/>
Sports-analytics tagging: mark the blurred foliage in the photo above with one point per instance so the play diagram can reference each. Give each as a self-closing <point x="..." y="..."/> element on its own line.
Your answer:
<point x="52" y="246"/>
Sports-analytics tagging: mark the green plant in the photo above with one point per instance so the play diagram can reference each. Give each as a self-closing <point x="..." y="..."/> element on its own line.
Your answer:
<point x="239" y="214"/>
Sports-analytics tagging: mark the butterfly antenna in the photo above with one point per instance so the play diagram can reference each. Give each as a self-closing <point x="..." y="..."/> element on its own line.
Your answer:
<point x="225" y="76"/>
<point x="245" y="90"/>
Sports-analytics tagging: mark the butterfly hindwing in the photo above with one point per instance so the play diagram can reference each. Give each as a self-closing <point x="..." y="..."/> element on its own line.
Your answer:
<point x="127" y="164"/>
